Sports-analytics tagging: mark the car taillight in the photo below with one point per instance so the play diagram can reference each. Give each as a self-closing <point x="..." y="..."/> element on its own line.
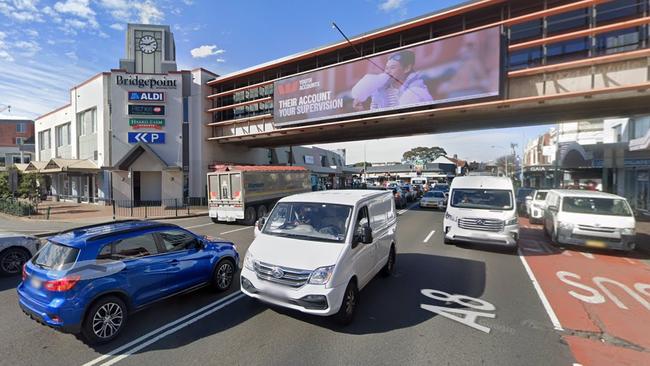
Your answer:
<point x="61" y="285"/>
<point x="24" y="271"/>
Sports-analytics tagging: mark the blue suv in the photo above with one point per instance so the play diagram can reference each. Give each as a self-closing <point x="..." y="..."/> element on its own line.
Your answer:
<point x="89" y="279"/>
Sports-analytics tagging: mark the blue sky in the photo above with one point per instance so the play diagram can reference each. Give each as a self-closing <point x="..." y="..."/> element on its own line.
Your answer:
<point x="48" y="46"/>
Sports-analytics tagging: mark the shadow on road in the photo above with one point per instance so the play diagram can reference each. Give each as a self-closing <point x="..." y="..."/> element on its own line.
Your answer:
<point x="392" y="303"/>
<point x="9" y="282"/>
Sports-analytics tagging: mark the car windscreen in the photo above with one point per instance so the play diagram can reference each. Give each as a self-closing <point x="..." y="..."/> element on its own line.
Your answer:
<point x="523" y="192"/>
<point x="55" y="256"/>
<point x="596" y="206"/>
<point x="540" y="196"/>
<point x="435" y="194"/>
<point x="487" y="199"/>
<point x="309" y="221"/>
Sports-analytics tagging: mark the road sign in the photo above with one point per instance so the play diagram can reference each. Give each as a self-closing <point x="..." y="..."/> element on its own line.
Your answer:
<point x="146" y="96"/>
<point x="147" y="110"/>
<point x="147" y="137"/>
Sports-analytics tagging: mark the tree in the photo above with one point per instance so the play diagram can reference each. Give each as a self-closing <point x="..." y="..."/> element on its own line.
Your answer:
<point x="423" y="154"/>
<point x="361" y="164"/>
<point x="28" y="187"/>
<point x="4" y="185"/>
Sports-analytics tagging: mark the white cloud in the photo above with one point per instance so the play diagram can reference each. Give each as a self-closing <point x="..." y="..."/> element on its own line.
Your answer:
<point x="220" y="60"/>
<point x="32" y="33"/>
<point x="206" y="51"/>
<point x="80" y="9"/>
<point x="118" y="26"/>
<point x="390" y="5"/>
<point x="27" y="48"/>
<point x="131" y="11"/>
<point x="72" y="55"/>
<point x="21" y="10"/>
<point x="4" y="54"/>
<point x="149" y="12"/>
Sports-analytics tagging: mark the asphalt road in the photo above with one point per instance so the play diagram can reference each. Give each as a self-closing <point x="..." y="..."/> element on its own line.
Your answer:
<point x="392" y="327"/>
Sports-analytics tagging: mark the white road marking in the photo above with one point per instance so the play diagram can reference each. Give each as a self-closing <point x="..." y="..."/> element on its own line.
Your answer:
<point x="200" y="225"/>
<point x="171" y="331"/>
<point x="567" y="253"/>
<point x="629" y="261"/>
<point x="587" y="255"/>
<point x="232" y="231"/>
<point x="466" y="317"/>
<point x="429" y="236"/>
<point x="159" y="329"/>
<point x="547" y="306"/>
<point x="400" y="212"/>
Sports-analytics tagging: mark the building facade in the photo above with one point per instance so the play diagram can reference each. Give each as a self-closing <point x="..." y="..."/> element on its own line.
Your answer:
<point x="16" y="141"/>
<point x="131" y="134"/>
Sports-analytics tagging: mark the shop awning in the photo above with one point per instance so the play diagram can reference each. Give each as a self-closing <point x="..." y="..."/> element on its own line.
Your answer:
<point x="35" y="166"/>
<point x="70" y="165"/>
<point x="21" y="167"/>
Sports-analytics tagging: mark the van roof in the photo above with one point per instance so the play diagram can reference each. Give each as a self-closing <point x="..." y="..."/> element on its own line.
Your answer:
<point x="582" y="193"/>
<point x="481" y="181"/>
<point x="341" y="197"/>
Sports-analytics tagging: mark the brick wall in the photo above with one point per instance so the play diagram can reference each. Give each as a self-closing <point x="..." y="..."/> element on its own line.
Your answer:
<point x="8" y="132"/>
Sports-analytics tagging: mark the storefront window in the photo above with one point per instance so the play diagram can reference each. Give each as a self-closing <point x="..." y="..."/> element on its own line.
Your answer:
<point x="640" y="127"/>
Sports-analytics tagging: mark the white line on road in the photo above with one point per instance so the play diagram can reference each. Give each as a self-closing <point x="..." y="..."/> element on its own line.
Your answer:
<point x="540" y="293"/>
<point x="153" y="332"/>
<point x="400" y="212"/>
<point x="629" y="261"/>
<point x="429" y="236"/>
<point x="201" y="225"/>
<point x="171" y="331"/>
<point x="587" y="255"/>
<point x="233" y="231"/>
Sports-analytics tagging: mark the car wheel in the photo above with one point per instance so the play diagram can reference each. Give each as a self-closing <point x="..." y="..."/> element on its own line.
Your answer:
<point x="12" y="260"/>
<point x="250" y="216"/>
<point x="389" y="267"/>
<point x="554" y="241"/>
<point x="262" y="211"/>
<point x="215" y="220"/>
<point x="104" y="320"/>
<point x="447" y="241"/>
<point x="223" y="275"/>
<point x="345" y="316"/>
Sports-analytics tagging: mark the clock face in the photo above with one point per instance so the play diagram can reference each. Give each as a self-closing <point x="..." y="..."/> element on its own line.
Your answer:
<point x="148" y="44"/>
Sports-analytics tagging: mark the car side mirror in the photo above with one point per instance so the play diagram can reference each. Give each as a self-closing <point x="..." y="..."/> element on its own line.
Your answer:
<point x="366" y="235"/>
<point x="552" y="208"/>
<point x="260" y="223"/>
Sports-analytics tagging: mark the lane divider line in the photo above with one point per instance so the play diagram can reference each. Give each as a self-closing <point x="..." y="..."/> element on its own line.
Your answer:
<point x="233" y="231"/>
<point x="429" y="236"/>
<point x="159" y="329"/>
<point x="171" y="331"/>
<point x="402" y="211"/>
<point x="547" y="305"/>
<point x="200" y="225"/>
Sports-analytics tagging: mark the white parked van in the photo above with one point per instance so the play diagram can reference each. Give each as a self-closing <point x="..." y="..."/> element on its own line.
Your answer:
<point x="588" y="218"/>
<point x="316" y="250"/>
<point x="481" y="209"/>
<point x="535" y="206"/>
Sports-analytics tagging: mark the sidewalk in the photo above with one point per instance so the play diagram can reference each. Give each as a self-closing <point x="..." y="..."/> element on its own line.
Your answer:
<point x="84" y="212"/>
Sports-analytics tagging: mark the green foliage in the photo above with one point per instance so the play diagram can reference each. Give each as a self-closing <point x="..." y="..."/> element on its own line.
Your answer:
<point x="361" y="164"/>
<point x="423" y="154"/>
<point x="29" y="184"/>
<point x="14" y="207"/>
<point x="4" y="185"/>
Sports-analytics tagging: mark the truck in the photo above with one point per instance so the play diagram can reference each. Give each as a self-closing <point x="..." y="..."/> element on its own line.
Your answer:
<point x="245" y="193"/>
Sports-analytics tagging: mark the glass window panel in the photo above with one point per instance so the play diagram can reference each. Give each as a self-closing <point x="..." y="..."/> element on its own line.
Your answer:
<point x="565" y="22"/>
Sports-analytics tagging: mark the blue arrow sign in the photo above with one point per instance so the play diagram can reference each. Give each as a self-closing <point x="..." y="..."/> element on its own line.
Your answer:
<point x="147" y="137"/>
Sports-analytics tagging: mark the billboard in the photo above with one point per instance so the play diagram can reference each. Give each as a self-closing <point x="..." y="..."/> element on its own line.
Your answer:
<point x="147" y="110"/>
<point x="458" y="68"/>
<point x="143" y="96"/>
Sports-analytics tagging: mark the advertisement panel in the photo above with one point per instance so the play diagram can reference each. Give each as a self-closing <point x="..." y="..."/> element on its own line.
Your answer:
<point x="146" y="123"/>
<point x="141" y="96"/>
<point x="453" y="69"/>
<point x="147" y="110"/>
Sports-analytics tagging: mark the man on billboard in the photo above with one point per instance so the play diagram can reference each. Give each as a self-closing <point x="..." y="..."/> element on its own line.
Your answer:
<point x="398" y="86"/>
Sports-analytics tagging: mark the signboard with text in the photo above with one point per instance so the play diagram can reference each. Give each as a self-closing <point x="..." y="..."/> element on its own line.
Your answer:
<point x="146" y="137"/>
<point x="458" y="68"/>
<point x="147" y="110"/>
<point x="141" y="96"/>
<point x="138" y="123"/>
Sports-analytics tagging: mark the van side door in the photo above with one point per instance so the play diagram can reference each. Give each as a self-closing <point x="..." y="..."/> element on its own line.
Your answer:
<point x="363" y="255"/>
<point x="378" y="209"/>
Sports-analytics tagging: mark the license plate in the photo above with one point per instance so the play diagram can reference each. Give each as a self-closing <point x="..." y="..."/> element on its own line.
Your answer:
<point x="35" y="282"/>
<point x="596" y="243"/>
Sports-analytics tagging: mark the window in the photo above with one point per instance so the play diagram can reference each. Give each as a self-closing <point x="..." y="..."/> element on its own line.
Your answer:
<point x="87" y="122"/>
<point x="16" y="159"/>
<point x="528" y="57"/>
<point x="362" y="221"/>
<point x="487" y="199"/>
<point x="618" y="41"/>
<point x="26" y="159"/>
<point x="21" y="127"/>
<point x="2" y="161"/>
<point x="55" y="256"/>
<point x="319" y="222"/>
<point x="175" y="240"/>
<point x="20" y="140"/>
<point x="567" y="22"/>
<point x="640" y="127"/>
<point x="526" y="31"/>
<point x="618" y="10"/>
<point x="324" y="161"/>
<point x="567" y="50"/>
<point x="135" y="247"/>
<point x="63" y="135"/>
<point x="596" y="206"/>
<point x="44" y="140"/>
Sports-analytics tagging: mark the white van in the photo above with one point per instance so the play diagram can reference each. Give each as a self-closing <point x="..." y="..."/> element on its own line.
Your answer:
<point x="588" y="218"/>
<point x="481" y="209"/>
<point x="316" y="250"/>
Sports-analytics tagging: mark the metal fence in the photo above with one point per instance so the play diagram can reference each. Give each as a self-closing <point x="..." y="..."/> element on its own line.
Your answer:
<point x="164" y="208"/>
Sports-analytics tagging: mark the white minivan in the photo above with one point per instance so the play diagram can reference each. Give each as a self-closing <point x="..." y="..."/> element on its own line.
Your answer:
<point x="316" y="250"/>
<point x="481" y="209"/>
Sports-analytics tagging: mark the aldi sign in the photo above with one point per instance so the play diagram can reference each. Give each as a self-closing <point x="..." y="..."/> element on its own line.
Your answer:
<point x="138" y="123"/>
<point x="147" y="110"/>
<point x="138" y="96"/>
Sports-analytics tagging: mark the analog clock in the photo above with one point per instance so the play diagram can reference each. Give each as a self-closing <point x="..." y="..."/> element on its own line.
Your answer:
<point x="148" y="44"/>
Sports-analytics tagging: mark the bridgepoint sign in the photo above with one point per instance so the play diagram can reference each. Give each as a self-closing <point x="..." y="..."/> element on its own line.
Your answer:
<point x="150" y="83"/>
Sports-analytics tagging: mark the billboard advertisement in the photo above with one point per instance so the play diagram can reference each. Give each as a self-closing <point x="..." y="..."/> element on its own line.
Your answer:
<point x="147" y="110"/>
<point x="458" y="68"/>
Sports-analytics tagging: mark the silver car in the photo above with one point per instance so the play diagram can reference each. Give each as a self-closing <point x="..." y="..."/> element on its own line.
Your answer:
<point x="15" y="250"/>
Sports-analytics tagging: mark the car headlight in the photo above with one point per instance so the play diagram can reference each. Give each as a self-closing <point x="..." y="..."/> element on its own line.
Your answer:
<point x="512" y="221"/>
<point x="449" y="216"/>
<point x="566" y="225"/>
<point x="321" y="275"/>
<point x="628" y="231"/>
<point x="249" y="261"/>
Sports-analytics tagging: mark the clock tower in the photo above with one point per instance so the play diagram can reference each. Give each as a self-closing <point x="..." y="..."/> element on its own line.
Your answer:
<point x="150" y="49"/>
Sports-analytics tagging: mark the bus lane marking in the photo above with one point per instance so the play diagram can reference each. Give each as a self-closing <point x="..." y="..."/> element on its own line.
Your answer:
<point x="463" y="316"/>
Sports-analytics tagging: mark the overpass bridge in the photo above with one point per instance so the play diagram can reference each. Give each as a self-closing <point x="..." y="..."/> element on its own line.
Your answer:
<point x="582" y="59"/>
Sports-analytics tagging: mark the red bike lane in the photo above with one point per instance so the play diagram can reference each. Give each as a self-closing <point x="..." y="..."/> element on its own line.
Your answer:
<point x="600" y="301"/>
